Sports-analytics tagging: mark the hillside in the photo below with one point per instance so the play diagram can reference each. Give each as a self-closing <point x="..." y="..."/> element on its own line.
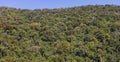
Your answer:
<point x="78" y="34"/>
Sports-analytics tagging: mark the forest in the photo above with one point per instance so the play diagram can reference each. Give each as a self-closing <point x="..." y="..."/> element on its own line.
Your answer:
<point x="76" y="34"/>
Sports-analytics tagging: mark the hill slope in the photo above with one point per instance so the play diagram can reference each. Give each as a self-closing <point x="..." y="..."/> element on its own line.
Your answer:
<point x="78" y="34"/>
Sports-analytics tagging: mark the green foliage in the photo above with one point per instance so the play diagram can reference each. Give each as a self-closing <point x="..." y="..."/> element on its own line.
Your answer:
<point x="78" y="34"/>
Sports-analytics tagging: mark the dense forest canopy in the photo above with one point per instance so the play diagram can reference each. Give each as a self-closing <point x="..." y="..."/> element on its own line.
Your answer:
<point x="78" y="34"/>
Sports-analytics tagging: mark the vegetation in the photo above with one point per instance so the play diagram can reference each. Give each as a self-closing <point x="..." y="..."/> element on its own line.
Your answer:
<point x="77" y="34"/>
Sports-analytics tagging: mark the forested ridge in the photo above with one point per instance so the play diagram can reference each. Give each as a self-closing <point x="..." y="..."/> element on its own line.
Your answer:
<point x="77" y="34"/>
